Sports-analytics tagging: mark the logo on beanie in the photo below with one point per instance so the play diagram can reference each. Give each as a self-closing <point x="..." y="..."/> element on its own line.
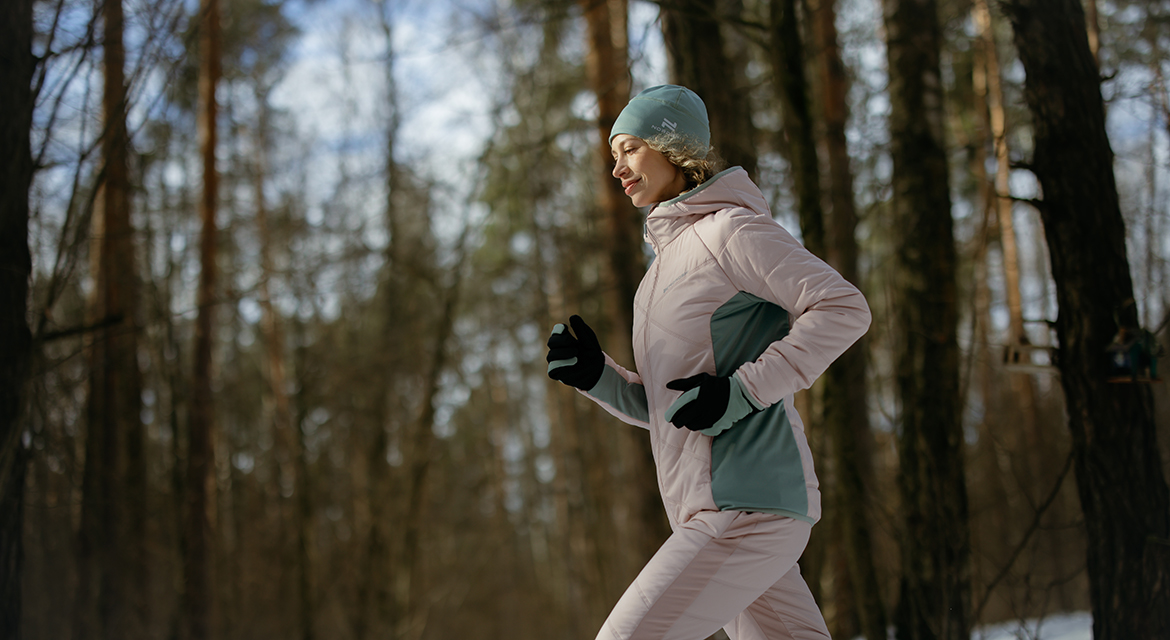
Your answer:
<point x="667" y="125"/>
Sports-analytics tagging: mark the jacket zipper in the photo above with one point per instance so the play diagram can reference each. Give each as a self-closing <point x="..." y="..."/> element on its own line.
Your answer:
<point x="653" y="284"/>
<point x="645" y="340"/>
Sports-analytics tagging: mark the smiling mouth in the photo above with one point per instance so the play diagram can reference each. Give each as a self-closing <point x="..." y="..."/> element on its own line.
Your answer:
<point x="629" y="187"/>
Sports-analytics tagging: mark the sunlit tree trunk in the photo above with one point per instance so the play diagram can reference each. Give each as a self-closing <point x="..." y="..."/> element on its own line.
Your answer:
<point x="1123" y="491"/>
<point x="846" y="388"/>
<point x="607" y="67"/>
<point x="936" y="582"/>
<point x="608" y="73"/>
<point x="16" y="170"/>
<point x="698" y="58"/>
<point x="992" y="94"/>
<point x="1093" y="26"/>
<point x="200" y="523"/>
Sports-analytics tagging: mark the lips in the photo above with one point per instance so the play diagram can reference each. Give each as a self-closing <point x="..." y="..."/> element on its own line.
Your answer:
<point x="629" y="186"/>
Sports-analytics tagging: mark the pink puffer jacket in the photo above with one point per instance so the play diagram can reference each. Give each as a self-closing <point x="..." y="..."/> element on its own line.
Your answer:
<point x="730" y="292"/>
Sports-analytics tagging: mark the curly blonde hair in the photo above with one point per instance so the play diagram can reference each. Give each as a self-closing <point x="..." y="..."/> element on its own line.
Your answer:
<point x="698" y="162"/>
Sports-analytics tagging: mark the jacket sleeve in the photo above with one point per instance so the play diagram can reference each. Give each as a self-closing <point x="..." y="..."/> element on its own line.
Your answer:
<point x="620" y="392"/>
<point x="830" y="314"/>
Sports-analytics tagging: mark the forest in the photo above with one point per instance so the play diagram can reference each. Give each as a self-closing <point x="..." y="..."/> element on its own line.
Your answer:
<point x="276" y="278"/>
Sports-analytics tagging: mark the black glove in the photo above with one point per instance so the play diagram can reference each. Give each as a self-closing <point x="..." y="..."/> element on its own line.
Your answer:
<point x="710" y="404"/>
<point x="577" y="362"/>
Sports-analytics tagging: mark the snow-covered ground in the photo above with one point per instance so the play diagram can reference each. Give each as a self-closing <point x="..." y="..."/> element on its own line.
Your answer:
<point x="1063" y="626"/>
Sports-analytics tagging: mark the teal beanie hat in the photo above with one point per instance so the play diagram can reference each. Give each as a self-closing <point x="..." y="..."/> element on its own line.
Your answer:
<point x="666" y="108"/>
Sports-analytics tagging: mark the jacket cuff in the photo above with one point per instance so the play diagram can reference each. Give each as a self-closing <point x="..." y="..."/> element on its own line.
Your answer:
<point x="758" y="404"/>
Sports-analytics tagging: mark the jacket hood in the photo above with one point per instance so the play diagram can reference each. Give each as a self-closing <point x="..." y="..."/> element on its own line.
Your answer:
<point x="726" y="189"/>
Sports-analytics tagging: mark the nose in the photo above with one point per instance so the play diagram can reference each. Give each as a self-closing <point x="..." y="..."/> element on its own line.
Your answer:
<point x="619" y="167"/>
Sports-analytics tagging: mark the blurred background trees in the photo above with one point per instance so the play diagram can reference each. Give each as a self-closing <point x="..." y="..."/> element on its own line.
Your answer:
<point x="293" y="265"/>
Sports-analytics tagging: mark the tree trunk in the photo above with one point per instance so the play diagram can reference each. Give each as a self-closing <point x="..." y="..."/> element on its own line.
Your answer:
<point x="1093" y="25"/>
<point x="112" y="592"/>
<point x="792" y="92"/>
<point x="697" y="58"/>
<point x="608" y="71"/>
<point x="200" y="525"/>
<point x="991" y="92"/>
<point x="846" y="388"/>
<point x="289" y="454"/>
<point x="799" y="145"/>
<point x="17" y="66"/>
<point x="936" y="582"/>
<point x="1123" y="492"/>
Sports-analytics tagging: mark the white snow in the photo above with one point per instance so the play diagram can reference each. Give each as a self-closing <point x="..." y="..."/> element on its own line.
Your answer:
<point x="1063" y="626"/>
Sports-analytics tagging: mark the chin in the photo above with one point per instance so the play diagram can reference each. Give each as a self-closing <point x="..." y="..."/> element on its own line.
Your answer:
<point x="640" y="200"/>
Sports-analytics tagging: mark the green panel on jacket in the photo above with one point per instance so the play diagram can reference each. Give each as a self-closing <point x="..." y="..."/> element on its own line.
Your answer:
<point x="755" y="465"/>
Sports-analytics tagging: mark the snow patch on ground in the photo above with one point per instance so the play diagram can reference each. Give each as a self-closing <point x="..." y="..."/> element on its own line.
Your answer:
<point x="1063" y="626"/>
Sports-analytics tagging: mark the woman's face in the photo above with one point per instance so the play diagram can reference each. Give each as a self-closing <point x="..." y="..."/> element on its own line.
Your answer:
<point x="647" y="176"/>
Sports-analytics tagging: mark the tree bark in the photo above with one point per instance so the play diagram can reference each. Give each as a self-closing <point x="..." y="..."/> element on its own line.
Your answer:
<point x="936" y="589"/>
<point x="200" y="525"/>
<point x="846" y="388"/>
<point x="992" y="93"/>
<point x="697" y="57"/>
<point x="609" y="77"/>
<point x="1123" y="492"/>
<point x="790" y="84"/>
<point x="788" y="59"/>
<point x="607" y="68"/>
<point x="17" y="66"/>
<point x="1093" y="25"/>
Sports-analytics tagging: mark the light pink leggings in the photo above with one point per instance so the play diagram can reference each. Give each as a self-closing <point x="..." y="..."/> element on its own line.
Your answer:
<point x="744" y="580"/>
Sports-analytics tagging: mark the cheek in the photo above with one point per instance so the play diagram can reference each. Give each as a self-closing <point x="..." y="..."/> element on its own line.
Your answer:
<point x="667" y="174"/>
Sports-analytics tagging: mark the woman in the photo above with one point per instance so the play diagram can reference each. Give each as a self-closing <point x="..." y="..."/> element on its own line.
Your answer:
<point x="732" y="318"/>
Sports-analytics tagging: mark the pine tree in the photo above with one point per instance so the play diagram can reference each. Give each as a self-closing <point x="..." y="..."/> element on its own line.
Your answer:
<point x="935" y="598"/>
<point x="1123" y="491"/>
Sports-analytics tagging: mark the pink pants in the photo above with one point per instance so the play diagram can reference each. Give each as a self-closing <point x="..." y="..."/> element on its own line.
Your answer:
<point x="744" y="579"/>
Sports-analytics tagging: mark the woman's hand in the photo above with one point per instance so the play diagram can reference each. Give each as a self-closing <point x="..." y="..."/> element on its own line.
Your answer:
<point x="709" y="404"/>
<point x="575" y="361"/>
